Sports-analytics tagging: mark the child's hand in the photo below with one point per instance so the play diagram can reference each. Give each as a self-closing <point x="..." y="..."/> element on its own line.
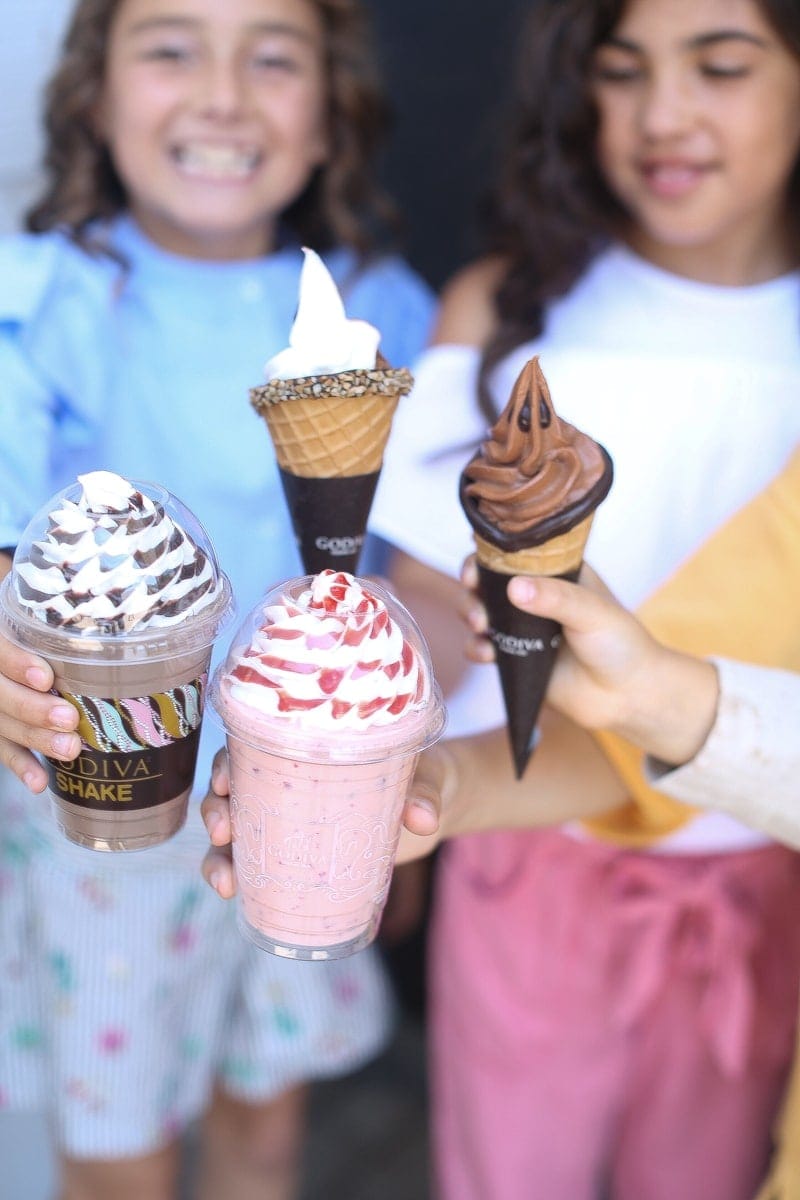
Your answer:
<point x="432" y="789"/>
<point x="216" y="812"/>
<point x="31" y="718"/>
<point x="606" y="652"/>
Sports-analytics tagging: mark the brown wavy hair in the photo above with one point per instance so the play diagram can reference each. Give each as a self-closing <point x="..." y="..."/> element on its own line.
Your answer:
<point x="342" y="204"/>
<point x="551" y="211"/>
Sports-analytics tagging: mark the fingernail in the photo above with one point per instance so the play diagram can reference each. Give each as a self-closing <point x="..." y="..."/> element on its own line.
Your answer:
<point x="62" y="716"/>
<point x="523" y="589"/>
<point x="31" y="780"/>
<point x="63" y="743"/>
<point x="212" y="823"/>
<point x="37" y="678"/>
<point x="215" y="879"/>
<point x="426" y="805"/>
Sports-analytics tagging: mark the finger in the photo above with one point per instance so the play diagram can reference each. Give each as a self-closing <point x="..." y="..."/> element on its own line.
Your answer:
<point x="24" y="667"/>
<point x="44" y="723"/>
<point x="469" y="573"/>
<point x="576" y="607"/>
<point x="421" y="813"/>
<point x="424" y="803"/>
<point x="479" y="649"/>
<point x="23" y="764"/>
<point x="216" y="814"/>
<point x="220" y="775"/>
<point x="218" y="872"/>
<point x="472" y="612"/>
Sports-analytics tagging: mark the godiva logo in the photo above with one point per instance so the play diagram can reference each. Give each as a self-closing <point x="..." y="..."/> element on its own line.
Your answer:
<point x="136" y="779"/>
<point x="521" y="647"/>
<point x="338" y="546"/>
<point x="106" y="780"/>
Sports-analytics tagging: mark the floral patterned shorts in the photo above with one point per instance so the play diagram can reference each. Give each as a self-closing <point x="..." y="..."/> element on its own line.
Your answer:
<point x="126" y="991"/>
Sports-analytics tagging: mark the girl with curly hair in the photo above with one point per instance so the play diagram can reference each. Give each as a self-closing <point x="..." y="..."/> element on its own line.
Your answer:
<point x="193" y="147"/>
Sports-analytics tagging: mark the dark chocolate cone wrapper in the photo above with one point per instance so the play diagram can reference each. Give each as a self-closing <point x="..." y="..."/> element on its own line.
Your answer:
<point x="525" y="651"/>
<point x="329" y="518"/>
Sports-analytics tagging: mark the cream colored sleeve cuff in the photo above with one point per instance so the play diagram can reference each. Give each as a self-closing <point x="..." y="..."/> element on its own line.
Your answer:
<point x="749" y="765"/>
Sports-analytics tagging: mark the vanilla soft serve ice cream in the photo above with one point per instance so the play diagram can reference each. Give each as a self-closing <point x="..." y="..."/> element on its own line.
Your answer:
<point x="327" y="697"/>
<point x="323" y="339"/>
<point x="328" y="403"/>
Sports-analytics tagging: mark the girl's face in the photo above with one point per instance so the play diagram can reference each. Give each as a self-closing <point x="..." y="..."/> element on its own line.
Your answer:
<point x="699" y="107"/>
<point x="214" y="114"/>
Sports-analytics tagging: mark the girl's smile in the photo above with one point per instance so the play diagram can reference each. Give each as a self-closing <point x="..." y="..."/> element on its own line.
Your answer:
<point x="673" y="178"/>
<point x="216" y="161"/>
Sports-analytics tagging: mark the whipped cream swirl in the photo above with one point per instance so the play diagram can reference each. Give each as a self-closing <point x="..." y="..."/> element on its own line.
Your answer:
<point x="332" y="659"/>
<point x="114" y="562"/>
<point x="323" y="340"/>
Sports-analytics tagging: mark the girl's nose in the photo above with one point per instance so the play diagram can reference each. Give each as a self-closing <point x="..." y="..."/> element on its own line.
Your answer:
<point x="221" y="90"/>
<point x="666" y="108"/>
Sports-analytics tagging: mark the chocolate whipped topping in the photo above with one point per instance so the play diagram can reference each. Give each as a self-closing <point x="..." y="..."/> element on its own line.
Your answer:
<point x="536" y="476"/>
<point x="113" y="561"/>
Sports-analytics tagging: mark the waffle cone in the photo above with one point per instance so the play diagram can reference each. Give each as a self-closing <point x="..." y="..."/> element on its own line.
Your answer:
<point x="559" y="556"/>
<point x="331" y="426"/>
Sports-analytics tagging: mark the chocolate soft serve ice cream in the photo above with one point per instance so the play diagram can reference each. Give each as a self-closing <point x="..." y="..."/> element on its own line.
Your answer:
<point x="328" y="402"/>
<point x="117" y="586"/>
<point x="530" y="494"/>
<point x="327" y="697"/>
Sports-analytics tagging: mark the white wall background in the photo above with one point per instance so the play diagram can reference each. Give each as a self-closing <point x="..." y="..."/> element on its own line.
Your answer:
<point x="32" y="31"/>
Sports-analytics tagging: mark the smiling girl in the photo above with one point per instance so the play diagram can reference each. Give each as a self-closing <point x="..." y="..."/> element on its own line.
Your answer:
<point x="613" y="1001"/>
<point x="193" y="147"/>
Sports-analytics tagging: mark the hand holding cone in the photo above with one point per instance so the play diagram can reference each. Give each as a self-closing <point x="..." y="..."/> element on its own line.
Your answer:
<point x="530" y="494"/>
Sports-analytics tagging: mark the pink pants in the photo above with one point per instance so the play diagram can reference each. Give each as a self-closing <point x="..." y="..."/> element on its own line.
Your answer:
<point x="607" y="1023"/>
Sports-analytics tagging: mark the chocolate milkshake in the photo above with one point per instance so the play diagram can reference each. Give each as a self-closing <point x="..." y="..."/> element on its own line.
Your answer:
<point x="116" y="585"/>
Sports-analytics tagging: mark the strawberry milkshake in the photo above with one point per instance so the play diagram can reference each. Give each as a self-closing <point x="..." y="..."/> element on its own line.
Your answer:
<point x="327" y="697"/>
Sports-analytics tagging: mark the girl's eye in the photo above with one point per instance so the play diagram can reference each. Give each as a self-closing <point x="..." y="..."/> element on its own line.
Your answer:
<point x="271" y="56"/>
<point x="606" y="73"/>
<point x="167" y="52"/>
<point x="276" y="62"/>
<point x="723" y="71"/>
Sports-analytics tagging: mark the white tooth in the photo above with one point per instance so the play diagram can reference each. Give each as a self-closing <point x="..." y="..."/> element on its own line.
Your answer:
<point x="216" y="160"/>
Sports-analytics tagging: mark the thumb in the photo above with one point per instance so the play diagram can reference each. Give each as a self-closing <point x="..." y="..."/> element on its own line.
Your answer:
<point x="579" y="608"/>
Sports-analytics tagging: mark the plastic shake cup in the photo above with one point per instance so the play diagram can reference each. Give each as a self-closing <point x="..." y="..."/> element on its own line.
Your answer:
<point x="327" y="697"/>
<point x="117" y="586"/>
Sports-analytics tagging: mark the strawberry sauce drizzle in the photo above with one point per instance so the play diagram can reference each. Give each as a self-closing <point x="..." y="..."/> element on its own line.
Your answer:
<point x="322" y="638"/>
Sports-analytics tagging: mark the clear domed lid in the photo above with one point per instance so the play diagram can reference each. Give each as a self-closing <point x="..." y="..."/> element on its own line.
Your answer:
<point x="329" y="667"/>
<point x="108" y="560"/>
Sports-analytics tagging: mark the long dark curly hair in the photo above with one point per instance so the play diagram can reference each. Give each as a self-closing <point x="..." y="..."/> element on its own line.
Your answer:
<point x="551" y="212"/>
<point x="342" y="203"/>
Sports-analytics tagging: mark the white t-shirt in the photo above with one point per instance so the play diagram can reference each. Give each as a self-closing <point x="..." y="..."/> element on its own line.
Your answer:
<point x="693" y="390"/>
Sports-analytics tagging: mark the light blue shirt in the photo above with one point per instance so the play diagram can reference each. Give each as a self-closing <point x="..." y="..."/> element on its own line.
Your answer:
<point x="146" y="372"/>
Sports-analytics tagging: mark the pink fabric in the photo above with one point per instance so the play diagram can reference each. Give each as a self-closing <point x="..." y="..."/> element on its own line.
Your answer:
<point x="608" y="1022"/>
